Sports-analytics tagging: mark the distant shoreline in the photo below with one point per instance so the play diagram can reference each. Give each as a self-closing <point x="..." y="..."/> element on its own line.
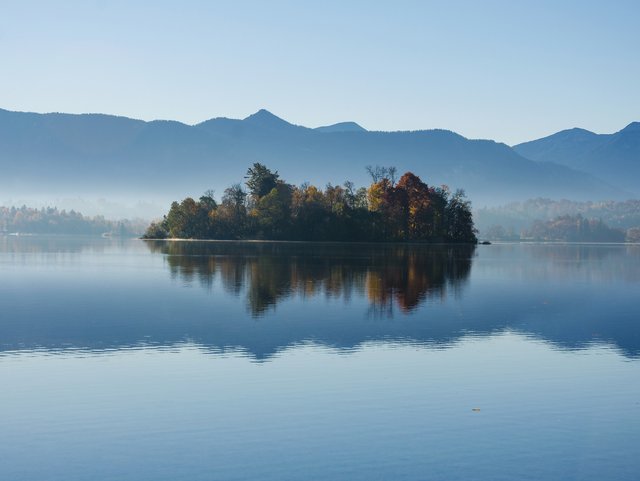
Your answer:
<point x="269" y="241"/>
<point x="373" y="243"/>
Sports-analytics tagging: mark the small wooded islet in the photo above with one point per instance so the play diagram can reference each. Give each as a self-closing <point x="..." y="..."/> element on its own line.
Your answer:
<point x="389" y="210"/>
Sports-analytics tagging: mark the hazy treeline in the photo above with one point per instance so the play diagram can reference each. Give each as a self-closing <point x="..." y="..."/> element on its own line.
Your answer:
<point x="388" y="210"/>
<point x="50" y="220"/>
<point x="573" y="229"/>
<point x="515" y="217"/>
<point x="520" y="220"/>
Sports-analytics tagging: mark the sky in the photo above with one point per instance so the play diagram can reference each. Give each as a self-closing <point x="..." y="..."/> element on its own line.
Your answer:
<point x="504" y="70"/>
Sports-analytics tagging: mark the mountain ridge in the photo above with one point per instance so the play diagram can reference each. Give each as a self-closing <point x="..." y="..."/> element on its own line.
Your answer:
<point x="615" y="157"/>
<point x="108" y="155"/>
<point x="342" y="127"/>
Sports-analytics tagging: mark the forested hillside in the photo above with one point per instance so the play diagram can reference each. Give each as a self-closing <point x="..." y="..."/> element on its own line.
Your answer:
<point x="546" y="219"/>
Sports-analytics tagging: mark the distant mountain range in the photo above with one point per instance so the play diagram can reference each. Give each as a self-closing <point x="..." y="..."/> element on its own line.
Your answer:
<point x="614" y="158"/>
<point x="102" y="155"/>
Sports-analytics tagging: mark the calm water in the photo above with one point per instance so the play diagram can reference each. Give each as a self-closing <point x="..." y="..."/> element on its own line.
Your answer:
<point x="223" y="361"/>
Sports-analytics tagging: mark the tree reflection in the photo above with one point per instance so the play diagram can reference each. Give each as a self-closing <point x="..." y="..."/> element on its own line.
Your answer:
<point x="54" y="298"/>
<point x="389" y="275"/>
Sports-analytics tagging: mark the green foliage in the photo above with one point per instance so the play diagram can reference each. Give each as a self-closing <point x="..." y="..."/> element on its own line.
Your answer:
<point x="230" y="217"/>
<point x="459" y="222"/>
<point x="156" y="230"/>
<point x="271" y="213"/>
<point x="190" y="219"/>
<point x="408" y="210"/>
<point x="260" y="180"/>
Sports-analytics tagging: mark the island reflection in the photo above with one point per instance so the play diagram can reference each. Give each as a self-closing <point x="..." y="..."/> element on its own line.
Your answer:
<point x="100" y="295"/>
<point x="404" y="275"/>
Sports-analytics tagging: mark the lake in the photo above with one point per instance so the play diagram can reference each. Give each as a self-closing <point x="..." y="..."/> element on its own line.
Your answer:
<point x="139" y="360"/>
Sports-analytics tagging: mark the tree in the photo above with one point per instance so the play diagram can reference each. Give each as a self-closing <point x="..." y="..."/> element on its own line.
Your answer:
<point x="189" y="220"/>
<point x="235" y="196"/>
<point x="272" y="212"/>
<point x="419" y="218"/>
<point x="260" y="180"/>
<point x="309" y="213"/>
<point x="459" y="220"/>
<point x="230" y="219"/>
<point x="207" y="200"/>
<point x="390" y="207"/>
<point x="156" y="231"/>
<point x="379" y="173"/>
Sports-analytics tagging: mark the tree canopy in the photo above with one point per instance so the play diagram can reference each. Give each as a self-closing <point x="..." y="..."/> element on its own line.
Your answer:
<point x="406" y="210"/>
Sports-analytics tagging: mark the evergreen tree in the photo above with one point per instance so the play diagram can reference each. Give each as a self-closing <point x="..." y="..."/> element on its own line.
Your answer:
<point x="260" y="181"/>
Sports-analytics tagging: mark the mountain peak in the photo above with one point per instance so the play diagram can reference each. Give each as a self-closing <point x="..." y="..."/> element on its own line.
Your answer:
<point x="264" y="118"/>
<point x="342" y="127"/>
<point x="632" y="127"/>
<point x="579" y="130"/>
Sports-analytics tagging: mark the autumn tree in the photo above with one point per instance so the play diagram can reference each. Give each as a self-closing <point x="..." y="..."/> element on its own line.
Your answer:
<point x="408" y="210"/>
<point x="419" y="216"/>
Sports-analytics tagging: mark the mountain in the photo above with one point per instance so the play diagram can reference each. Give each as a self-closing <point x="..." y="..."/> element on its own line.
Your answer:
<point x="561" y="146"/>
<point x="615" y="158"/>
<point x="342" y="127"/>
<point x="106" y="156"/>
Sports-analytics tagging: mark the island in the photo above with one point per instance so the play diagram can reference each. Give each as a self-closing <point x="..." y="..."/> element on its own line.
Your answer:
<point x="389" y="210"/>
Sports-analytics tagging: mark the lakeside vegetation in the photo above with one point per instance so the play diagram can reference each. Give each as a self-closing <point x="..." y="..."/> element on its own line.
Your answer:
<point x="50" y="220"/>
<point x="271" y="209"/>
<point x="546" y="219"/>
<point x="573" y="229"/>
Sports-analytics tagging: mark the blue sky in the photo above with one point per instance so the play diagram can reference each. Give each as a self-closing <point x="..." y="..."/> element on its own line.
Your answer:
<point x="506" y="70"/>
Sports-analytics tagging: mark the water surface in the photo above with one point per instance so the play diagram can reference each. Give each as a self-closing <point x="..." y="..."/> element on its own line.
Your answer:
<point x="192" y="360"/>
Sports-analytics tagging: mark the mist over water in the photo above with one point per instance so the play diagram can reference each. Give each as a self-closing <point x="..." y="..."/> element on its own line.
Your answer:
<point x="109" y="205"/>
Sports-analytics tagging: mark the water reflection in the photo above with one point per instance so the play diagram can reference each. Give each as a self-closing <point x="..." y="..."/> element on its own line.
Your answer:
<point x="406" y="275"/>
<point x="567" y="263"/>
<point x="35" y="244"/>
<point x="261" y="298"/>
